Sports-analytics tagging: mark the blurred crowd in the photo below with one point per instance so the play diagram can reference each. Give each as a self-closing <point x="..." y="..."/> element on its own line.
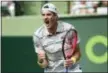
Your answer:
<point x="13" y="8"/>
<point x="89" y="7"/>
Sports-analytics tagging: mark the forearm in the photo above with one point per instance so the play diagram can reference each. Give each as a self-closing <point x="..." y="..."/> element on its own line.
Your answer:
<point x="77" y="55"/>
<point x="73" y="60"/>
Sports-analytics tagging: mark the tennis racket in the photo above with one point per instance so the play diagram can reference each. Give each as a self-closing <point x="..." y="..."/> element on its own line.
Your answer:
<point x="69" y="44"/>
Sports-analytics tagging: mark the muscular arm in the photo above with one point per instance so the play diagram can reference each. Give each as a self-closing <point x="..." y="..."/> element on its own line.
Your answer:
<point x="76" y="54"/>
<point x="40" y="52"/>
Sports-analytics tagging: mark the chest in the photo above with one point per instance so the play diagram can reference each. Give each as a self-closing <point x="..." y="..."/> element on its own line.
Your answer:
<point x="53" y="44"/>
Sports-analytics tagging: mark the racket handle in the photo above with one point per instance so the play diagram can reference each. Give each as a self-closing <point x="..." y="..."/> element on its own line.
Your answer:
<point x="66" y="70"/>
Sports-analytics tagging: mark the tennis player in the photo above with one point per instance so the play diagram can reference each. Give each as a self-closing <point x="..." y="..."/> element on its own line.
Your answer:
<point x="48" y="43"/>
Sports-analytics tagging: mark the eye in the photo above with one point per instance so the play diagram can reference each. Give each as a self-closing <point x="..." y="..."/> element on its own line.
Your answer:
<point x="48" y="14"/>
<point x="43" y="14"/>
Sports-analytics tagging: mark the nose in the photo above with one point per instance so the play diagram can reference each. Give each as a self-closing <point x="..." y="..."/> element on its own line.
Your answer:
<point x="45" y="16"/>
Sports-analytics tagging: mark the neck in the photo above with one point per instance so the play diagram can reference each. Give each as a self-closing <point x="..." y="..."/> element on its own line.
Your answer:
<point x="53" y="29"/>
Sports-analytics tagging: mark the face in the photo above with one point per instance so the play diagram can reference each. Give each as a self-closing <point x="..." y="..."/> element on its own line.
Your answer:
<point x="49" y="19"/>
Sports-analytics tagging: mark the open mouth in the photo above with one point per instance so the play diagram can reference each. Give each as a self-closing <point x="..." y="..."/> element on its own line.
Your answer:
<point x="47" y="22"/>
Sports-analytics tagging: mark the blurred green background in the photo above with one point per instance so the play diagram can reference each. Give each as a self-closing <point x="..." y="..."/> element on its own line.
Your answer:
<point x="32" y="8"/>
<point x="17" y="51"/>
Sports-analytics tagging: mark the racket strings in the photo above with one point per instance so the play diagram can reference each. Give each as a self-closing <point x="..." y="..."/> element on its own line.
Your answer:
<point x="70" y="42"/>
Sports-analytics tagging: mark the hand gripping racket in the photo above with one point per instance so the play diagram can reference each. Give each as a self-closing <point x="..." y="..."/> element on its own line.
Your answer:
<point x="69" y="44"/>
